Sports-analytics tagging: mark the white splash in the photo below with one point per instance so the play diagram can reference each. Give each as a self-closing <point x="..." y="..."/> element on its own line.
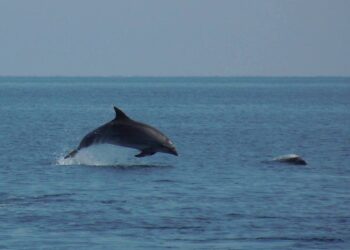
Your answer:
<point x="99" y="155"/>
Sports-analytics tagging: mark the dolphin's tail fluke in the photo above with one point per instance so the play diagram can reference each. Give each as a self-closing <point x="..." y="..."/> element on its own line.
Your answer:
<point x="71" y="154"/>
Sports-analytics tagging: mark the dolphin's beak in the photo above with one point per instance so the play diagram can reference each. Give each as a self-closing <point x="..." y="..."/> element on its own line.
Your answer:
<point x="173" y="151"/>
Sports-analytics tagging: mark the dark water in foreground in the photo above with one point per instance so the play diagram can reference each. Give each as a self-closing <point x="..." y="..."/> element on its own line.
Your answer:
<point x="216" y="195"/>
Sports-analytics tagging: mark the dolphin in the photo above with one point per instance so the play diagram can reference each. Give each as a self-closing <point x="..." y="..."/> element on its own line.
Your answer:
<point x="291" y="159"/>
<point x="123" y="131"/>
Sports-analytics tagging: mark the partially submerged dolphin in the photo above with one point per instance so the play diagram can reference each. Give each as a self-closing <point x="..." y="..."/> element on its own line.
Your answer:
<point x="291" y="159"/>
<point x="123" y="131"/>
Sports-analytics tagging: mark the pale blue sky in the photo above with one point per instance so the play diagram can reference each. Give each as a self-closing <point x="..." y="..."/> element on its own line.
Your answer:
<point x="176" y="38"/>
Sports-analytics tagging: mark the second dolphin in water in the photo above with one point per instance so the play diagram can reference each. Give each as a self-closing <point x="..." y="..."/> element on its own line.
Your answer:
<point x="291" y="159"/>
<point x="123" y="131"/>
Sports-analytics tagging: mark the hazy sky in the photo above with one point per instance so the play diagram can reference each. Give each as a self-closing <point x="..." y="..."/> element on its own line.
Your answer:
<point x="163" y="37"/>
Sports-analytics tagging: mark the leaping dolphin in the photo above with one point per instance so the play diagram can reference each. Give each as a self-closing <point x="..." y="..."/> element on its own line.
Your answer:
<point x="123" y="131"/>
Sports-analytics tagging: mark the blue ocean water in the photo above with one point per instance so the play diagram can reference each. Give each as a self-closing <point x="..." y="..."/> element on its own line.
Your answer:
<point x="218" y="194"/>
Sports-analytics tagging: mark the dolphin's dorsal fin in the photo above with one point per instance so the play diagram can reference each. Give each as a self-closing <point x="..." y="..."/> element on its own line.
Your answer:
<point x="119" y="115"/>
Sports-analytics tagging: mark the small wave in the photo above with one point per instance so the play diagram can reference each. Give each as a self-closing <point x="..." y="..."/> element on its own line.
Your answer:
<point x="164" y="181"/>
<point x="57" y="196"/>
<point x="108" y="201"/>
<point x="236" y="215"/>
<point x="27" y="200"/>
<point x="307" y="239"/>
<point x="175" y="227"/>
<point x="269" y="239"/>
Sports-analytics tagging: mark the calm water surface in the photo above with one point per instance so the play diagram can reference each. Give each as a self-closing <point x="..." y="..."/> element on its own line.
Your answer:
<point x="218" y="194"/>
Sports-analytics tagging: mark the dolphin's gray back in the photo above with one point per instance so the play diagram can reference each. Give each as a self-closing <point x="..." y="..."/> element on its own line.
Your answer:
<point x="127" y="133"/>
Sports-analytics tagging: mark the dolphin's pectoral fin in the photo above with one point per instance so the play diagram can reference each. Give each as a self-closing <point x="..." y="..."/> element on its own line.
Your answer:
<point x="146" y="152"/>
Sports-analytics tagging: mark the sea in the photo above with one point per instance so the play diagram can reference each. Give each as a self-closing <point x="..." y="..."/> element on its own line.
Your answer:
<point x="221" y="192"/>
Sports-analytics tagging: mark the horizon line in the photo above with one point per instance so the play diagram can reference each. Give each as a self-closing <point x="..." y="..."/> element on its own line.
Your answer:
<point x="174" y="76"/>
